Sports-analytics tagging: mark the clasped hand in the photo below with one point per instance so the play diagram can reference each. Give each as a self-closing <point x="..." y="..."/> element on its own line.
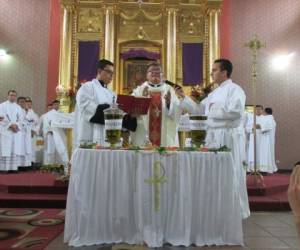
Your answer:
<point x="14" y="128"/>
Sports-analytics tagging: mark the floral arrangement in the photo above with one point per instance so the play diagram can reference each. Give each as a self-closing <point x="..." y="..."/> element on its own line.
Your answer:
<point x="67" y="95"/>
<point x="88" y="145"/>
<point x="199" y="92"/>
<point x="221" y="149"/>
<point x="71" y="94"/>
<point x="160" y="150"/>
<point x="53" y="168"/>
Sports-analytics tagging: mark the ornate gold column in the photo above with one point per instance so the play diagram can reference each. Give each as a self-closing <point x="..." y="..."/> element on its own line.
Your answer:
<point x="109" y="33"/>
<point x="109" y="39"/>
<point x="213" y="15"/>
<point x="171" y="44"/>
<point x="65" y="62"/>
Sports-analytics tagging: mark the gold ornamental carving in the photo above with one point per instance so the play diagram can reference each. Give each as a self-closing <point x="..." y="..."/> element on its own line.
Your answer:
<point x="192" y="23"/>
<point x="143" y="24"/>
<point x="154" y="26"/>
<point x="141" y="14"/>
<point x="90" y="20"/>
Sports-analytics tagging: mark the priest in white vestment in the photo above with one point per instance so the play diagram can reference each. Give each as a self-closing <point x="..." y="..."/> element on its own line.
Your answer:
<point x="91" y="100"/>
<point x="160" y="125"/>
<point x="267" y="161"/>
<point x="224" y="108"/>
<point x="249" y="129"/>
<point x="11" y="117"/>
<point x="34" y="127"/>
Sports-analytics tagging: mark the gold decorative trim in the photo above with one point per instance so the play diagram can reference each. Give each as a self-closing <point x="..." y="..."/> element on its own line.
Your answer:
<point x="74" y="50"/>
<point x="140" y="12"/>
<point x="206" y="69"/>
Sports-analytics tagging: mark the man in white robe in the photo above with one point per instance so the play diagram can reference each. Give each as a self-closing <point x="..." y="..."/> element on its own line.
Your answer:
<point x="243" y="139"/>
<point x="49" y="156"/>
<point x="248" y="119"/>
<point x="10" y="133"/>
<point x="34" y="127"/>
<point x="249" y="129"/>
<point x="55" y="142"/>
<point x="91" y="100"/>
<point x="267" y="161"/>
<point x="41" y="133"/>
<point x="26" y="126"/>
<point x="161" y="122"/>
<point x="224" y="108"/>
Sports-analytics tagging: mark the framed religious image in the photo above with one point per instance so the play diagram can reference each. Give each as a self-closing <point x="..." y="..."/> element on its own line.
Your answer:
<point x="135" y="72"/>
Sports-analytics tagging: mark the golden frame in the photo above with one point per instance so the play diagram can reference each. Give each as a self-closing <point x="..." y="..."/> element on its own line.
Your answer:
<point x="151" y="46"/>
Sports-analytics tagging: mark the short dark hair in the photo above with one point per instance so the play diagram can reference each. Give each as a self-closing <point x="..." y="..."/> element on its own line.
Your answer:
<point x="11" y="91"/>
<point x="225" y="64"/>
<point x="269" y="111"/>
<point x="21" y="98"/>
<point x="259" y="106"/>
<point x="55" y="101"/>
<point x="49" y="104"/>
<point x="28" y="99"/>
<point x="103" y="63"/>
<point x="154" y="64"/>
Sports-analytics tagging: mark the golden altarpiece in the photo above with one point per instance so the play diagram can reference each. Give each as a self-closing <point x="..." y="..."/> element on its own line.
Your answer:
<point x="159" y="27"/>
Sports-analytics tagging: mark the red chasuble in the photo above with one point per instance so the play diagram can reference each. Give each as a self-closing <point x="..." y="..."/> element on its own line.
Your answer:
<point x="155" y="118"/>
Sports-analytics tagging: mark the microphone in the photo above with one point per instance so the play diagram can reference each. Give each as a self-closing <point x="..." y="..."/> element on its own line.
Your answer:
<point x="172" y="84"/>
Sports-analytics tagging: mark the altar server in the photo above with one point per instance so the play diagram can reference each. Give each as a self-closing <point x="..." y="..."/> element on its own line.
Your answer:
<point x="10" y="133"/>
<point x="55" y="142"/>
<point x="91" y="100"/>
<point x="224" y="108"/>
<point x="249" y="129"/>
<point x="267" y="161"/>
<point x="34" y="127"/>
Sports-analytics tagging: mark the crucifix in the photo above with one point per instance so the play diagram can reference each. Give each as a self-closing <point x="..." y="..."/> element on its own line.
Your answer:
<point x="254" y="46"/>
<point x="156" y="180"/>
<point x="157" y="111"/>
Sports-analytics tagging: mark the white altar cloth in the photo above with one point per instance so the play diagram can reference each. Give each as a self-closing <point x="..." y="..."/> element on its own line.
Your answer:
<point x="110" y="199"/>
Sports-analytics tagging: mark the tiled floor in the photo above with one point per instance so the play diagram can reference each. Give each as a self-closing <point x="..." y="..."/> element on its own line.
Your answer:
<point x="262" y="231"/>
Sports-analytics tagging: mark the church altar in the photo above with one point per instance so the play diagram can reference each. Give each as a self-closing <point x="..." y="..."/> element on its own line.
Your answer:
<point x="148" y="197"/>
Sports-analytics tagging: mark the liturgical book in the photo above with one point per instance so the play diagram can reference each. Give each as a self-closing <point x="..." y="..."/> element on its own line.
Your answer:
<point x="134" y="105"/>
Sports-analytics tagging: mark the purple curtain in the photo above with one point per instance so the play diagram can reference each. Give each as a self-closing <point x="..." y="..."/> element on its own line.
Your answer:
<point x="192" y="63"/>
<point x="140" y="53"/>
<point x="88" y="56"/>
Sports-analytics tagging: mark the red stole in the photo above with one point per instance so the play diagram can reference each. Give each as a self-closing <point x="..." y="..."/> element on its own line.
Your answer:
<point x="155" y="118"/>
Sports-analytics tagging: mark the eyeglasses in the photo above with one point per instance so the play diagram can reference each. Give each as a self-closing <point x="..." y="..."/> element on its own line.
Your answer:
<point x="108" y="71"/>
<point x="154" y="72"/>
